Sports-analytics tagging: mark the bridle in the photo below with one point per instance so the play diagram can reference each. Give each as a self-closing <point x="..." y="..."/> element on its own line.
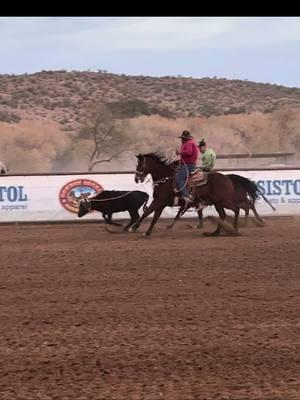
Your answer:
<point x="154" y="183"/>
<point x="143" y="171"/>
<point x="142" y="174"/>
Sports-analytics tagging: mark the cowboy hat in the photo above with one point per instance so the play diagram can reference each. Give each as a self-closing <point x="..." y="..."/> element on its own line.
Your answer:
<point x="186" y="135"/>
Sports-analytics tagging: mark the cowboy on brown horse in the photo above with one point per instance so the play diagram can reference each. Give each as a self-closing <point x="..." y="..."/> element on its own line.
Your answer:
<point x="188" y="158"/>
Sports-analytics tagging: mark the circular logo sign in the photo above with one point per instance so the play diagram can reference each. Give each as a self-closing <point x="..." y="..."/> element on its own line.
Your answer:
<point x="71" y="193"/>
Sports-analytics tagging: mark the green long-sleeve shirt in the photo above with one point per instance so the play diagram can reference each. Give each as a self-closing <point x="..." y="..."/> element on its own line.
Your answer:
<point x="208" y="159"/>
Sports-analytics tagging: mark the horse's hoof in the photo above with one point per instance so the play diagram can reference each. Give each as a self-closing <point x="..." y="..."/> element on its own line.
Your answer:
<point x="192" y="226"/>
<point x="131" y="229"/>
<point x="208" y="234"/>
<point x="145" y="235"/>
<point x="105" y="228"/>
<point x="260" y="224"/>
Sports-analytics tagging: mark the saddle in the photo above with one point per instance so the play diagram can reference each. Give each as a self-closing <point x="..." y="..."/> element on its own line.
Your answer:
<point x="197" y="178"/>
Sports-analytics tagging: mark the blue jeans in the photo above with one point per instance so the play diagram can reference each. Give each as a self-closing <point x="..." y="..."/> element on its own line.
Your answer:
<point x="181" y="178"/>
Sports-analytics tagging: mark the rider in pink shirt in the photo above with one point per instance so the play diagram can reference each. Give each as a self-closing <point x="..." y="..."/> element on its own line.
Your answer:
<point x="188" y="160"/>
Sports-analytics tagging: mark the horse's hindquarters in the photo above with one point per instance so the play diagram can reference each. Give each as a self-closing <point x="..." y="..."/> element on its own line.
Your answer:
<point x="218" y="190"/>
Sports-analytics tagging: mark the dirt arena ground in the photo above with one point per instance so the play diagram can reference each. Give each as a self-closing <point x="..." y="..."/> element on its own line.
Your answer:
<point x="88" y="315"/>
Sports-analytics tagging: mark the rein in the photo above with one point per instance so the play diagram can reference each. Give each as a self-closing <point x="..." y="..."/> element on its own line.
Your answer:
<point x="165" y="179"/>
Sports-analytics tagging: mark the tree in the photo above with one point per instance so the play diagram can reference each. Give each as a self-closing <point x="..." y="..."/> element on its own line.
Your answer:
<point x="109" y="136"/>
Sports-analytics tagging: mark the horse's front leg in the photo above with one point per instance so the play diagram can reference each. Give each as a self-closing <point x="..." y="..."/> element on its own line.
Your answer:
<point x="178" y="215"/>
<point x="156" y="215"/>
<point x="222" y="214"/>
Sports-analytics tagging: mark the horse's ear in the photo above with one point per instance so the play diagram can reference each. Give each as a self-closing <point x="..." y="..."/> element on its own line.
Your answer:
<point x="139" y="156"/>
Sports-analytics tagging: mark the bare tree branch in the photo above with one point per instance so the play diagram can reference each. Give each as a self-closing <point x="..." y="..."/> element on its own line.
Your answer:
<point x="109" y="140"/>
<point x="91" y="166"/>
<point x="100" y="136"/>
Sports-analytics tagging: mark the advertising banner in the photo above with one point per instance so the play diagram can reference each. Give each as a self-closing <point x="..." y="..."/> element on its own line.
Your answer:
<point x="55" y="197"/>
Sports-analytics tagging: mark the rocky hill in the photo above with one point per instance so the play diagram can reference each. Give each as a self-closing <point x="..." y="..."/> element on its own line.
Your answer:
<point x="41" y="116"/>
<point x="65" y="97"/>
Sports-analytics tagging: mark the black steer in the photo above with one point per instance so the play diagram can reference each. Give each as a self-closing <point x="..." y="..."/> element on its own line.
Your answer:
<point x="113" y="201"/>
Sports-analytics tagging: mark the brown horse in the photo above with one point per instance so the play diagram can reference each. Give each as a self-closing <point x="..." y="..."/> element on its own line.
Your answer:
<point x="219" y="190"/>
<point x="246" y="191"/>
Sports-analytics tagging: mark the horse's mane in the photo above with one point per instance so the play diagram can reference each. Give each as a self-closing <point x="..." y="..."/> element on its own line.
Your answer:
<point x="160" y="158"/>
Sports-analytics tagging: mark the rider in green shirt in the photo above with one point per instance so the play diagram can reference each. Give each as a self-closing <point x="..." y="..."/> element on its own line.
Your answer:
<point x="208" y="157"/>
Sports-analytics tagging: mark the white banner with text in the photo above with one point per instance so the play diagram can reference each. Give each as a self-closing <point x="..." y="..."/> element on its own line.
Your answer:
<point x="55" y="197"/>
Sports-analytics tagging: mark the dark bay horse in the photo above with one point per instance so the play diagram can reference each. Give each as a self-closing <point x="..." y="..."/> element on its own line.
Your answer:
<point x="219" y="190"/>
<point x="246" y="191"/>
<point x="251" y="192"/>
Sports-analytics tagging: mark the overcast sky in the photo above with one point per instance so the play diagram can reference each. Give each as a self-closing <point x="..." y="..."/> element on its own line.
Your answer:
<point x="261" y="49"/>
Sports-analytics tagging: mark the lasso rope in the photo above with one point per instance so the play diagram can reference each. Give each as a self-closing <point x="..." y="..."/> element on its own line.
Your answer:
<point x="163" y="180"/>
<point x="187" y="175"/>
<point x="115" y="198"/>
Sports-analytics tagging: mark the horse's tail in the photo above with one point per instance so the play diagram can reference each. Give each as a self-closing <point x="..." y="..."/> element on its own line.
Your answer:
<point x="266" y="200"/>
<point x="251" y="188"/>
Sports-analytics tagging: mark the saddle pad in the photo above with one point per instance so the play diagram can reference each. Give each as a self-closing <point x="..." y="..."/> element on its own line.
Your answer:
<point x="198" y="178"/>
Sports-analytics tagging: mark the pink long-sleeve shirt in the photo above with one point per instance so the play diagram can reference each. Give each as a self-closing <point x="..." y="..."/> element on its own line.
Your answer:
<point x="189" y="152"/>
